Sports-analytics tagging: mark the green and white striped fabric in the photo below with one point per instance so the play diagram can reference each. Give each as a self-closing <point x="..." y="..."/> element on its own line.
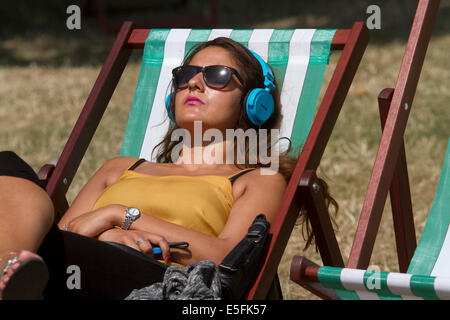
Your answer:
<point x="298" y="58"/>
<point x="428" y="276"/>
<point x="354" y="284"/>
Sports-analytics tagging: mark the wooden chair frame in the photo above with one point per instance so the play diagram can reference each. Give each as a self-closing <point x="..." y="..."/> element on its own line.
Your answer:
<point x="395" y="107"/>
<point x="301" y="190"/>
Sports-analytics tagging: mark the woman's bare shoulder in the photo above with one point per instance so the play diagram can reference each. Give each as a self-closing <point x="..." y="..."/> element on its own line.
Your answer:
<point x="112" y="169"/>
<point x="259" y="180"/>
<point x="263" y="176"/>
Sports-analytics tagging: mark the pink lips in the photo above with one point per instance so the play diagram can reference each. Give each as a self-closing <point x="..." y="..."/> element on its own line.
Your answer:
<point x="193" y="101"/>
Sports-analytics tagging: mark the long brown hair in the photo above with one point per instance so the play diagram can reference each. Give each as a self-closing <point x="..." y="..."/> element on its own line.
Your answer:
<point x="251" y="73"/>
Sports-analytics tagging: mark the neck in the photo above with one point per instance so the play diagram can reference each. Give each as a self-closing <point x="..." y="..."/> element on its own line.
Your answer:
<point x="211" y="155"/>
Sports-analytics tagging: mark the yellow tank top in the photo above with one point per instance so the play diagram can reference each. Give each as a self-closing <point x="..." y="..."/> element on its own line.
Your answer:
<point x="201" y="203"/>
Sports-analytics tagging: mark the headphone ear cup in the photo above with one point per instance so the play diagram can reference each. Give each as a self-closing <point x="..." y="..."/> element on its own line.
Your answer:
<point x="169" y="111"/>
<point x="259" y="106"/>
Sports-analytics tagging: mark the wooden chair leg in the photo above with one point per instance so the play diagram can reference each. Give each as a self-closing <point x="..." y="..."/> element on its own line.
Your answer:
<point x="400" y="195"/>
<point x="391" y="139"/>
<point x="320" y="220"/>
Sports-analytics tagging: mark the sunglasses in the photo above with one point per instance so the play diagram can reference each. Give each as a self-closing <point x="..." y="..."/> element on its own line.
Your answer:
<point x="216" y="77"/>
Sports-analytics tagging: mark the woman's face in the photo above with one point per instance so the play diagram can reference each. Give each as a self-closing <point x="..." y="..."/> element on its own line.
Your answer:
<point x="216" y="108"/>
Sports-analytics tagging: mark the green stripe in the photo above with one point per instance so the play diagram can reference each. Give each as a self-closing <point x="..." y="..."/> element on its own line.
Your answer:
<point x="196" y="36"/>
<point x="436" y="227"/>
<point x="376" y="282"/>
<point x="279" y="54"/>
<point x="423" y="286"/>
<point x="242" y="36"/>
<point x="330" y="277"/>
<point x="320" y="51"/>
<point x="145" y="93"/>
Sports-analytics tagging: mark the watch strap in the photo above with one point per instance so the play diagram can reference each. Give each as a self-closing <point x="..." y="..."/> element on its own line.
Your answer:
<point x="126" y="222"/>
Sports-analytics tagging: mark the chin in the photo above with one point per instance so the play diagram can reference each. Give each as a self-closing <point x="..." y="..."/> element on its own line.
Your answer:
<point x="189" y="124"/>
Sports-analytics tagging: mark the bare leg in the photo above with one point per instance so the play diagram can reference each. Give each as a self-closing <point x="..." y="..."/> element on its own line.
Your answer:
<point x="26" y="215"/>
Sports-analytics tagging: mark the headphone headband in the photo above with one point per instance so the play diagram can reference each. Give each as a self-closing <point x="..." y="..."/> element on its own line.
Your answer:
<point x="267" y="72"/>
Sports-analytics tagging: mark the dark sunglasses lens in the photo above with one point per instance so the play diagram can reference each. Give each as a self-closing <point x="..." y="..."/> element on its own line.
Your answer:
<point x="183" y="75"/>
<point x="217" y="76"/>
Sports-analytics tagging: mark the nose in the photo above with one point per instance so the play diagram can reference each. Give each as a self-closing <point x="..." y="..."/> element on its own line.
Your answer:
<point x="196" y="82"/>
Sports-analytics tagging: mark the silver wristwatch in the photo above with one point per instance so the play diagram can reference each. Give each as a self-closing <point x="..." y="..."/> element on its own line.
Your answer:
<point x="131" y="215"/>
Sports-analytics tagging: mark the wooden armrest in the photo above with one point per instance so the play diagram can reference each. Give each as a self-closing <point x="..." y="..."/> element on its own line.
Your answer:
<point x="45" y="173"/>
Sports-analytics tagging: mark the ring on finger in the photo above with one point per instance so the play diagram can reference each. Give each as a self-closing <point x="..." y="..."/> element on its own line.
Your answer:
<point x="140" y="240"/>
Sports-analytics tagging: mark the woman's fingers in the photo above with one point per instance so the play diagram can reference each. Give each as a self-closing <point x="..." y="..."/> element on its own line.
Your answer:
<point x="139" y="240"/>
<point x="145" y="245"/>
<point x="129" y="241"/>
<point x="163" y="244"/>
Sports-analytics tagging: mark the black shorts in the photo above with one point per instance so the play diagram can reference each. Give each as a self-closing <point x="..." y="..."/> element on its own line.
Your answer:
<point x="82" y="267"/>
<point x="12" y="165"/>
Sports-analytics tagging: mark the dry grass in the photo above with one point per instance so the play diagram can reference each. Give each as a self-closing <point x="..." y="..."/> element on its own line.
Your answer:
<point x="40" y="102"/>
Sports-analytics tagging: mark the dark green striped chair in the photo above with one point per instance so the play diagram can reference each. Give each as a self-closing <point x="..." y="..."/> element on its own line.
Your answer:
<point x="425" y="267"/>
<point x="428" y="275"/>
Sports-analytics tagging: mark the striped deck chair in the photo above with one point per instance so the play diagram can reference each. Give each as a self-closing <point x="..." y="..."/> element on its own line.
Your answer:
<point x="421" y="268"/>
<point x="428" y="275"/>
<point x="298" y="58"/>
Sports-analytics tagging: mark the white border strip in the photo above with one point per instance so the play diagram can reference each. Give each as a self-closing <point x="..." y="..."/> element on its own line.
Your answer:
<point x="299" y="54"/>
<point x="158" y="122"/>
<point x="442" y="287"/>
<point x="442" y="266"/>
<point x="259" y="42"/>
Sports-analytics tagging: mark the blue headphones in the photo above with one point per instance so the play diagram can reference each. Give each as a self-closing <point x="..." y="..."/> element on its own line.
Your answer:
<point x="258" y="102"/>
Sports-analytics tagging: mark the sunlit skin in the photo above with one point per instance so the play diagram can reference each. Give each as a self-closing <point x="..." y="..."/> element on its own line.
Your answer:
<point x="220" y="108"/>
<point x="217" y="108"/>
<point x="253" y="193"/>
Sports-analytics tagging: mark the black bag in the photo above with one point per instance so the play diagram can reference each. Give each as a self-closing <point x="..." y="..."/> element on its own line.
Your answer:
<point x="238" y="268"/>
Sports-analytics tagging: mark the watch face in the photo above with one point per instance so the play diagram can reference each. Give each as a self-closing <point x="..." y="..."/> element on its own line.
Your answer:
<point x="133" y="212"/>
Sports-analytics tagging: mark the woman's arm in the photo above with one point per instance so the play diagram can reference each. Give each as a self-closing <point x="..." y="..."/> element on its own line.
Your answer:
<point x="262" y="194"/>
<point x="105" y="176"/>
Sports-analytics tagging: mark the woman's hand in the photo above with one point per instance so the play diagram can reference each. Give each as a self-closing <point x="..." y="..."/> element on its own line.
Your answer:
<point x="130" y="238"/>
<point x="93" y="223"/>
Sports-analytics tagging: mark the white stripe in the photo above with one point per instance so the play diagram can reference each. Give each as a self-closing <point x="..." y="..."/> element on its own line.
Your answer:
<point x="299" y="53"/>
<point x="215" y="33"/>
<point x="353" y="279"/>
<point x="399" y="284"/>
<point x="442" y="265"/>
<point x="259" y="42"/>
<point x="442" y="287"/>
<point x="158" y="123"/>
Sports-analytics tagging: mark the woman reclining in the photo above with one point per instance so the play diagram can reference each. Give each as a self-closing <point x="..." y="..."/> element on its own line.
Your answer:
<point x="144" y="204"/>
